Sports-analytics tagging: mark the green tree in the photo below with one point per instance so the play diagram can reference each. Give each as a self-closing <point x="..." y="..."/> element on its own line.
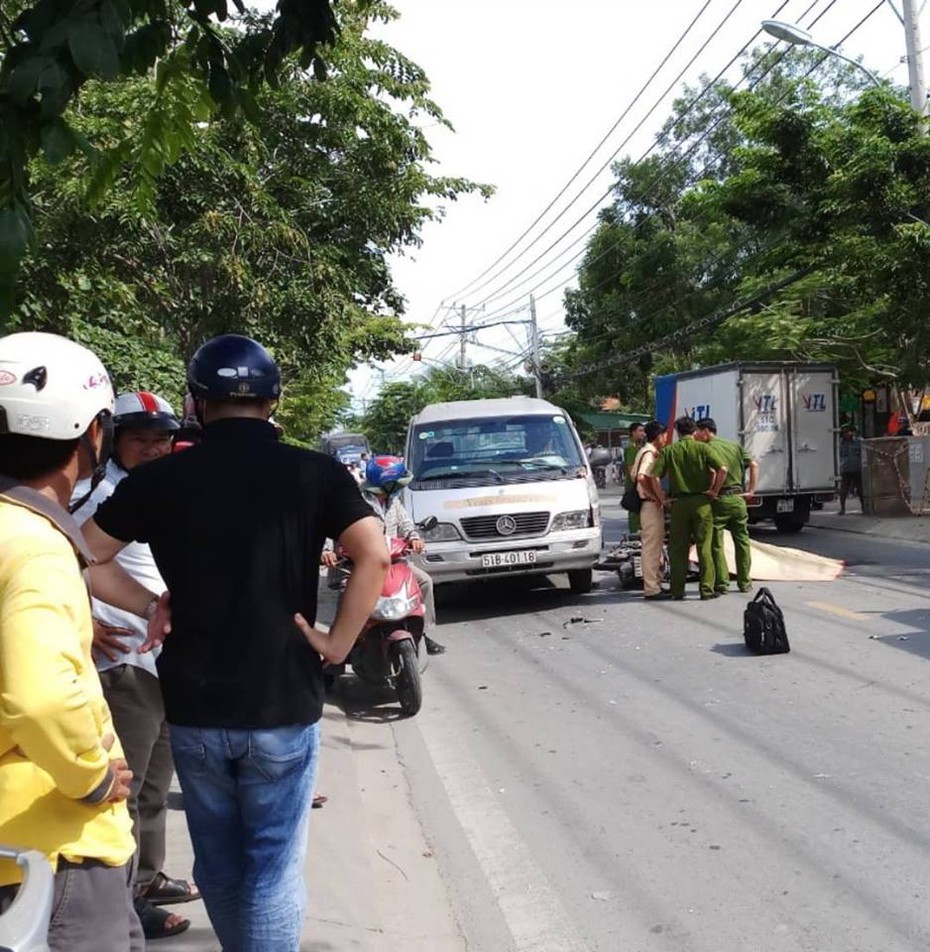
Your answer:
<point x="278" y="227"/>
<point x="50" y="49"/>
<point x="805" y="180"/>
<point x="386" y="420"/>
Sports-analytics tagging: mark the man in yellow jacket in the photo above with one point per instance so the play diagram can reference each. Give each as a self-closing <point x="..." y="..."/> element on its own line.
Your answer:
<point x="63" y="779"/>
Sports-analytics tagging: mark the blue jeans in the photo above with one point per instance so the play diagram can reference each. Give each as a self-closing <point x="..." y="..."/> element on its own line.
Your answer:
<point x="247" y="796"/>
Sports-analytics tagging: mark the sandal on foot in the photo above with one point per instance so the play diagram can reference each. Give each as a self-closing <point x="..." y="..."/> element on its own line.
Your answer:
<point x="155" y="921"/>
<point x="319" y="800"/>
<point x="165" y="891"/>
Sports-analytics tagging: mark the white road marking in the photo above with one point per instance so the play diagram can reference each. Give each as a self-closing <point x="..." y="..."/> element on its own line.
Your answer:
<point x="531" y="908"/>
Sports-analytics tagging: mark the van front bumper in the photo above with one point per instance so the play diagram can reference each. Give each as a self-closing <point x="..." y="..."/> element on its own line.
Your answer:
<point x="461" y="561"/>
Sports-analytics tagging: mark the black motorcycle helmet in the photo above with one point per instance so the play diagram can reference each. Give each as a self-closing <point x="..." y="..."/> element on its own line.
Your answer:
<point x="233" y="367"/>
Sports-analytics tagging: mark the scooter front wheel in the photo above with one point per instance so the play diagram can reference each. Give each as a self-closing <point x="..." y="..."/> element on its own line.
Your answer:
<point x="407" y="679"/>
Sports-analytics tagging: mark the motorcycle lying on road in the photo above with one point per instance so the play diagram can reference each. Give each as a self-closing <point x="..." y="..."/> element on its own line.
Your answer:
<point x="390" y="649"/>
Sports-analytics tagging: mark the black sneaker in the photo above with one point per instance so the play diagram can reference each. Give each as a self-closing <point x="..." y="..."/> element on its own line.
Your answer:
<point x="658" y="597"/>
<point x="434" y="647"/>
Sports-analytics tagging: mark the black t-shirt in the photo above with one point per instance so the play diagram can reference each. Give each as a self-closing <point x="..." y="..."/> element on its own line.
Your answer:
<point x="236" y="525"/>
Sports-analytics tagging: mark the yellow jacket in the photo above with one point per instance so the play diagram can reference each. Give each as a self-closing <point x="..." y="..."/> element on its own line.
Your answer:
<point x="53" y="716"/>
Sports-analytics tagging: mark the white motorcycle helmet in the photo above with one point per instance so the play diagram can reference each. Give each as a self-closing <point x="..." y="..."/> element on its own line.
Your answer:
<point x="50" y="387"/>
<point x="53" y="389"/>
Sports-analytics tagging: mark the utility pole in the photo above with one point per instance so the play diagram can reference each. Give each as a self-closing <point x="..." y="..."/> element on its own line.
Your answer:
<point x="534" y="348"/>
<point x="915" y="61"/>
<point x="463" y="365"/>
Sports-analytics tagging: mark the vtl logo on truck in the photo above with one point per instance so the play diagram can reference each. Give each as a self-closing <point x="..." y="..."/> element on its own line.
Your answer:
<point x="765" y="402"/>
<point x="700" y="412"/>
<point x="815" y="402"/>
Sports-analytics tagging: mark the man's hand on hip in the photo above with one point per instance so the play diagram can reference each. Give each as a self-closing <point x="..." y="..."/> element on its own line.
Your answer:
<point x="108" y="640"/>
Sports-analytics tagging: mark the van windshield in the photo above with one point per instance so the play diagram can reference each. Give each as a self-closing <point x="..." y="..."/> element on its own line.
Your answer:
<point x="495" y="450"/>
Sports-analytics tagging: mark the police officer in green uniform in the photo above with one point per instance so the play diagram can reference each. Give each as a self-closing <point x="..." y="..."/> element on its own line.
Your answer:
<point x="730" y="512"/>
<point x="695" y="474"/>
<point x="637" y="438"/>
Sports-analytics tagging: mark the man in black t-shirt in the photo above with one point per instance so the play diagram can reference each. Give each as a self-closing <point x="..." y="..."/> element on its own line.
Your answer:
<point x="236" y="525"/>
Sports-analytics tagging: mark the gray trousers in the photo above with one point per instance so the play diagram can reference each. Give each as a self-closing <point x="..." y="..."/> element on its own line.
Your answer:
<point x="134" y="697"/>
<point x="92" y="910"/>
<point x="429" y="596"/>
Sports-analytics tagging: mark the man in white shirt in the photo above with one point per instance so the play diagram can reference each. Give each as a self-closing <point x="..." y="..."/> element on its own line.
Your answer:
<point x="143" y="428"/>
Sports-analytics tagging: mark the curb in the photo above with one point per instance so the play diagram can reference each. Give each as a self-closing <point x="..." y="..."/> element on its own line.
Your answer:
<point x="878" y="532"/>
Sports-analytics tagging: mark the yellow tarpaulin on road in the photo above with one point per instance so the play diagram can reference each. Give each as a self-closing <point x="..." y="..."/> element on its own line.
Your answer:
<point x="779" y="563"/>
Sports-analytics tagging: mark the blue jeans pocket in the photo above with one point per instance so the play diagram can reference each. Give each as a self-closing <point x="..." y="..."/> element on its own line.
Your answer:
<point x="187" y="743"/>
<point x="282" y="751"/>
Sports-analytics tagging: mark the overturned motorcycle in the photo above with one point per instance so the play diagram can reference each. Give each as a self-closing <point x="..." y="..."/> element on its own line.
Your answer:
<point x="626" y="559"/>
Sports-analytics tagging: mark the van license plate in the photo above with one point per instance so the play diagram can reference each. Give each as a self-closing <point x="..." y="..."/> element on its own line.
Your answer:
<point x="784" y="505"/>
<point x="493" y="560"/>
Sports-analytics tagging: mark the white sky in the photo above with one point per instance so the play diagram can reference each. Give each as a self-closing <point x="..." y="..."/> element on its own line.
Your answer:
<point x="531" y="87"/>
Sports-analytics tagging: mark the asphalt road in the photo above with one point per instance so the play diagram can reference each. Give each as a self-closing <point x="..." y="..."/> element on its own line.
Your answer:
<point x="598" y="773"/>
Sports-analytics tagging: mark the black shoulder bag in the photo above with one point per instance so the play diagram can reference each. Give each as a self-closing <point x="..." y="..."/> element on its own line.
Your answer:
<point x="764" y="625"/>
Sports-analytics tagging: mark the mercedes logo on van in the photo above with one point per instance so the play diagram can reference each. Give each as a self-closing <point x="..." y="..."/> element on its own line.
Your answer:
<point x="506" y="525"/>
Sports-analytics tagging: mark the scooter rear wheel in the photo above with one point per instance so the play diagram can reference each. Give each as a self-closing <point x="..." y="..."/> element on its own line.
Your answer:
<point x="407" y="680"/>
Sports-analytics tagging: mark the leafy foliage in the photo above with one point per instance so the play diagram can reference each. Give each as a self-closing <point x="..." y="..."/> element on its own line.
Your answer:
<point x="50" y="49"/>
<point x="385" y="421"/>
<point x="808" y="177"/>
<point x="278" y="226"/>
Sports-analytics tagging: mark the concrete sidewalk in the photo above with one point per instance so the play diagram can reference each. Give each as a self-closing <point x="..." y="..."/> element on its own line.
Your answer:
<point x="372" y="880"/>
<point x="898" y="528"/>
<point x="373" y="884"/>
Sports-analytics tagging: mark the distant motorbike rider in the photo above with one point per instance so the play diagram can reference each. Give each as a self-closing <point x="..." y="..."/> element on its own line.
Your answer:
<point x="385" y="477"/>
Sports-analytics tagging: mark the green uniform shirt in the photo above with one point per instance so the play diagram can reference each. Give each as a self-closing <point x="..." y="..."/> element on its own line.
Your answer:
<point x="629" y="458"/>
<point x="735" y="458"/>
<point x="688" y="464"/>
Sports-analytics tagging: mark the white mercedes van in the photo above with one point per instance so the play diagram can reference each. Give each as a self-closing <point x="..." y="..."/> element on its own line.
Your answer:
<point x="511" y="488"/>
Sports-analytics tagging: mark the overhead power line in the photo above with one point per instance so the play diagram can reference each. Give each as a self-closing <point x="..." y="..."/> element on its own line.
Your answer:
<point x="689" y="329"/>
<point x="408" y="363"/>
<point x="593" y="152"/>
<point x="553" y="289"/>
<point x="540" y="294"/>
<point x="593" y="178"/>
<point x="509" y="284"/>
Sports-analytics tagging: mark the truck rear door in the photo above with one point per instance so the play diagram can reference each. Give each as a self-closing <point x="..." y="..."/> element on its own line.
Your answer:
<point x="813" y="428"/>
<point x="763" y="408"/>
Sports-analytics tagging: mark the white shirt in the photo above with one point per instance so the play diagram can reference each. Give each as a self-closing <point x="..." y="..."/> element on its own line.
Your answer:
<point x="138" y="562"/>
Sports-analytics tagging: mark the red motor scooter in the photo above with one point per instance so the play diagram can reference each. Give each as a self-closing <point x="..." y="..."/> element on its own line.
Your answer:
<point x="390" y="649"/>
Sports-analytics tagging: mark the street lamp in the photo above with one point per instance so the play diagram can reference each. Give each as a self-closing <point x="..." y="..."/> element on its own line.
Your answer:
<point x="797" y="36"/>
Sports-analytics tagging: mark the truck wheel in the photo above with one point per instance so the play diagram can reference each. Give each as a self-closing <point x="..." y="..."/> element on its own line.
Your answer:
<point x="580" y="581"/>
<point x="407" y="680"/>
<point x="790" y="522"/>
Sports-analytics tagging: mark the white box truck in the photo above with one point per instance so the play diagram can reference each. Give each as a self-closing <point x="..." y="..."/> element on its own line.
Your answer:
<point x="786" y="416"/>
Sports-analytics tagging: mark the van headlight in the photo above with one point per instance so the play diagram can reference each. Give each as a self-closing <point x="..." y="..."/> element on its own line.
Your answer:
<point x="393" y="607"/>
<point x="577" y="519"/>
<point x="441" y="532"/>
